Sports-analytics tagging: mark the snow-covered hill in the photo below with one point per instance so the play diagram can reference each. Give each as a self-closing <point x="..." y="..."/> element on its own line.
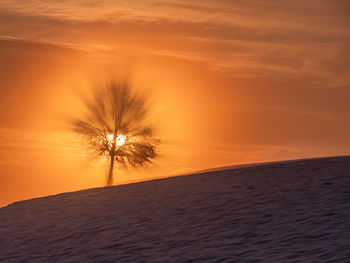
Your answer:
<point x="279" y="212"/>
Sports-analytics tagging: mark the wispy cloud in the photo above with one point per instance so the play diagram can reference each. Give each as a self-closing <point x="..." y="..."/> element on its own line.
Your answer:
<point x="289" y="39"/>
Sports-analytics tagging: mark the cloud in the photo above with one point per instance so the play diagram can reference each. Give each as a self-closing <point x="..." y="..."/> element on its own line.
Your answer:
<point x="248" y="12"/>
<point x="248" y="39"/>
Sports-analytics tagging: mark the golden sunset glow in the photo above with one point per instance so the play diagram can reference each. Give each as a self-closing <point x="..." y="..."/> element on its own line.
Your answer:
<point x="226" y="82"/>
<point x="119" y="141"/>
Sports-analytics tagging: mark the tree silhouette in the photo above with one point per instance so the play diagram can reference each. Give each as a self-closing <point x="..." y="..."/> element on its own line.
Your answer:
<point x="114" y="126"/>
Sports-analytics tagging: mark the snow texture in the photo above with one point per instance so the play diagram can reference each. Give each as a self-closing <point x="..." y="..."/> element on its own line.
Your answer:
<point x="297" y="211"/>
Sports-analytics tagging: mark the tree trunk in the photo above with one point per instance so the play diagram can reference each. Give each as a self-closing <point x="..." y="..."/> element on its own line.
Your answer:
<point x="110" y="173"/>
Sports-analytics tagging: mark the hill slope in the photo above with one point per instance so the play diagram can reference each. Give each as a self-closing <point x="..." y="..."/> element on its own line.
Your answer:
<point x="284" y="212"/>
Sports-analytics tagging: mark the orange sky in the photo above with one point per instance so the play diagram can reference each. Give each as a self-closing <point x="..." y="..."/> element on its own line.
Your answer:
<point x="230" y="82"/>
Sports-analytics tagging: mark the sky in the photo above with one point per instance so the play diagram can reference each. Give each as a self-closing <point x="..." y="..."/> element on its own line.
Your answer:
<point x="229" y="82"/>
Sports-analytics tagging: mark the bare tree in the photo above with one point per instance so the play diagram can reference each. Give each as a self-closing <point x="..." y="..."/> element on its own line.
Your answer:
<point x="114" y="126"/>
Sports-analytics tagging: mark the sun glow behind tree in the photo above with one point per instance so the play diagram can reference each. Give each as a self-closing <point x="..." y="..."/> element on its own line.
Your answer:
<point x="115" y="126"/>
<point x="119" y="141"/>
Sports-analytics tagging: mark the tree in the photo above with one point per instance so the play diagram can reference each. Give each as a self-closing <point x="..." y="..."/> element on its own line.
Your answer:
<point x="115" y="126"/>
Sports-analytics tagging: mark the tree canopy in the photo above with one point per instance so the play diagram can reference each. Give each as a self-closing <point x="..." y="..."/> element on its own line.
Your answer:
<point x="115" y="126"/>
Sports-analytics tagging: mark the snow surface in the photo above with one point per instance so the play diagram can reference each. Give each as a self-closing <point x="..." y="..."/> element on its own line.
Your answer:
<point x="281" y="212"/>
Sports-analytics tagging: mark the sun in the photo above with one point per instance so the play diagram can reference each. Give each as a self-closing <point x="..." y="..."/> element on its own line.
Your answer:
<point x="119" y="141"/>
